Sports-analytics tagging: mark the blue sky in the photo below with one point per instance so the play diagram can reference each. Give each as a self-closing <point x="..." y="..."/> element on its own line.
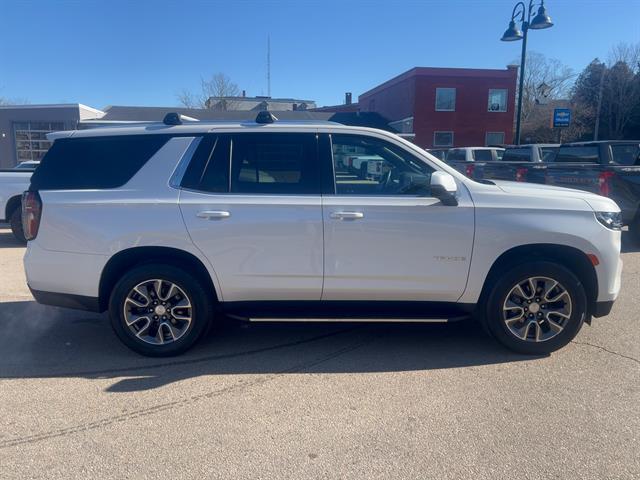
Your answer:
<point x="144" y="52"/>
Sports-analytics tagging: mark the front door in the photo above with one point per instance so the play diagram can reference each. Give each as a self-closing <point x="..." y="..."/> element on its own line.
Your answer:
<point x="386" y="237"/>
<point x="257" y="218"/>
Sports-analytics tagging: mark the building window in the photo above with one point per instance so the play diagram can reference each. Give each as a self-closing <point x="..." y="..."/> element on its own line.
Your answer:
<point x="494" y="138"/>
<point x="31" y="139"/>
<point x="443" y="139"/>
<point x="445" y="99"/>
<point x="498" y="100"/>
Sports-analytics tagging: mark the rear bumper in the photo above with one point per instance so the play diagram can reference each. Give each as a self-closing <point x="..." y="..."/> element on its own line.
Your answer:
<point x="66" y="300"/>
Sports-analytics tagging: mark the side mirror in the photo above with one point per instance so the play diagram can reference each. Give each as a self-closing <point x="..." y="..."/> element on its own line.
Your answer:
<point x="444" y="188"/>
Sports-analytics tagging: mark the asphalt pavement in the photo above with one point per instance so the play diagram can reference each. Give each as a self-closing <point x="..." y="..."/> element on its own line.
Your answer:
<point x="305" y="401"/>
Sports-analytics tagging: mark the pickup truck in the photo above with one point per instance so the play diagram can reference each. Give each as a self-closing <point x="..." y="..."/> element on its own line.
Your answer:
<point x="12" y="183"/>
<point x="507" y="164"/>
<point x="610" y="168"/>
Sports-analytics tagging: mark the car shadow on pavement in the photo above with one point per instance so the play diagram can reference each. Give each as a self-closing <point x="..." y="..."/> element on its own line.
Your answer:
<point x="47" y="342"/>
<point x="7" y="240"/>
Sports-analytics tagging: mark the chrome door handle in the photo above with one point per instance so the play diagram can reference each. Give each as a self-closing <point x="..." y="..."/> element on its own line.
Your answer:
<point x="213" y="214"/>
<point x="347" y="215"/>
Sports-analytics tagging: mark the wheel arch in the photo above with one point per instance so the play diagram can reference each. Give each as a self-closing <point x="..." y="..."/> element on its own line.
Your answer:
<point x="570" y="257"/>
<point x="13" y="203"/>
<point x="127" y="259"/>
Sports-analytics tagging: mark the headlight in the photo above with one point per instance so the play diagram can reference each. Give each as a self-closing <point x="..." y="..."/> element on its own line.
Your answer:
<point x="612" y="220"/>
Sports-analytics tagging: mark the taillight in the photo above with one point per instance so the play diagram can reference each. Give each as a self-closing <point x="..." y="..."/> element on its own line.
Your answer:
<point x="31" y="213"/>
<point x="604" y="183"/>
<point x="469" y="170"/>
<point x="521" y="174"/>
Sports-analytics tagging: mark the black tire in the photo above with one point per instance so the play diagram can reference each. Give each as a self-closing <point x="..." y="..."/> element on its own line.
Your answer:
<point x="201" y="301"/>
<point x="634" y="230"/>
<point x="497" y="326"/>
<point x="15" y="220"/>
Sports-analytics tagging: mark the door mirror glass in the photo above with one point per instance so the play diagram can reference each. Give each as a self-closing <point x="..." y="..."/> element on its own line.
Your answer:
<point x="444" y="188"/>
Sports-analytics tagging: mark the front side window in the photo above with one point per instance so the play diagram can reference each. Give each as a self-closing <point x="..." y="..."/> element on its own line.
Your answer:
<point x="547" y="154"/>
<point x="498" y="100"/>
<point x="587" y="154"/>
<point x="626" y="154"/>
<point x="371" y="166"/>
<point x="443" y="139"/>
<point x="275" y="163"/>
<point x="494" y="138"/>
<point x="445" y="99"/>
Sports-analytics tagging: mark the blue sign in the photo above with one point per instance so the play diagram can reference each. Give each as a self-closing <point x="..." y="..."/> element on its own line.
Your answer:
<point x="561" y="117"/>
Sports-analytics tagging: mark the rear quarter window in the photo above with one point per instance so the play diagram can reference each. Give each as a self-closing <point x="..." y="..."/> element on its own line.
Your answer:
<point x="456" y="155"/>
<point x="578" y="154"/>
<point x="89" y="163"/>
<point x="482" y="155"/>
<point x="517" y="155"/>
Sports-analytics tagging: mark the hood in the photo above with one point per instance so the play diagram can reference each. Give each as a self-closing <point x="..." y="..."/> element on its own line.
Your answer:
<point x="597" y="202"/>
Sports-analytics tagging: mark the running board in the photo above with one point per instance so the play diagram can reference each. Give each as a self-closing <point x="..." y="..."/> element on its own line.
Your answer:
<point x="352" y="320"/>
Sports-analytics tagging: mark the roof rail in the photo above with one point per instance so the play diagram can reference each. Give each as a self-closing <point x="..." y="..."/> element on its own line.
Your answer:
<point x="173" y="118"/>
<point x="265" y="117"/>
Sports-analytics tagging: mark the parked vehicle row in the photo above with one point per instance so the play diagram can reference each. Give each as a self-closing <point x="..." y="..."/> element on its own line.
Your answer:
<point x="13" y="183"/>
<point x="169" y="226"/>
<point x="608" y="168"/>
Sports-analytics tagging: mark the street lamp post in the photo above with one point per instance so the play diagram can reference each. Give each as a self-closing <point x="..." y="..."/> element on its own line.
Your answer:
<point x="512" y="34"/>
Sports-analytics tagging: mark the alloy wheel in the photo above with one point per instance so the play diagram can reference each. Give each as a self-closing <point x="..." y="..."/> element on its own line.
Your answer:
<point x="158" y="311"/>
<point x="537" y="309"/>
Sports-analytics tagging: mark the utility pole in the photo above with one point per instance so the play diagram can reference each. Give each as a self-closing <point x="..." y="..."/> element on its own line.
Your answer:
<point x="600" y="90"/>
<point x="269" y="66"/>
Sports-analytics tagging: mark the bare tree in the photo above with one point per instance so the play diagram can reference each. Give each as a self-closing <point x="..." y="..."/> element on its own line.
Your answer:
<point x="216" y="93"/>
<point x="188" y="99"/>
<point x="14" y="101"/>
<point x="545" y="79"/>
<point x="621" y="93"/>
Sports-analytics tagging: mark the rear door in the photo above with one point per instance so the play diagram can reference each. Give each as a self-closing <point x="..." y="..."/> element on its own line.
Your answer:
<point x="252" y="205"/>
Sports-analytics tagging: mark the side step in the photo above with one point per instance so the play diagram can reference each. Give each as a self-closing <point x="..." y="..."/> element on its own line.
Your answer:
<point x="350" y="320"/>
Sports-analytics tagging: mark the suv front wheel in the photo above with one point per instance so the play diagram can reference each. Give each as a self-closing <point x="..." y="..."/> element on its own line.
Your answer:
<point x="536" y="307"/>
<point x="159" y="310"/>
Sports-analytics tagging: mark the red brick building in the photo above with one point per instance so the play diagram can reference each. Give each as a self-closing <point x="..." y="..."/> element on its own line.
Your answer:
<point x="446" y="107"/>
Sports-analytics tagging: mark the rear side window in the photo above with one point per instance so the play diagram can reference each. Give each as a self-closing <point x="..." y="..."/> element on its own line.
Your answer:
<point x="94" y="162"/>
<point x="482" y="155"/>
<point x="456" y="155"/>
<point x="588" y="154"/>
<point x="517" y="155"/>
<point x="208" y="169"/>
<point x="275" y="163"/>
<point x="626" y="154"/>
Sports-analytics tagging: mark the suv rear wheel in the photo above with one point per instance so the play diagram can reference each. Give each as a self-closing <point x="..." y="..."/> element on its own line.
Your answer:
<point x="159" y="310"/>
<point x="536" y="307"/>
<point x="15" y="220"/>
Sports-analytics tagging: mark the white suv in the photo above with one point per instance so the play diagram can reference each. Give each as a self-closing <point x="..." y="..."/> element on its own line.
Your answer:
<point x="169" y="226"/>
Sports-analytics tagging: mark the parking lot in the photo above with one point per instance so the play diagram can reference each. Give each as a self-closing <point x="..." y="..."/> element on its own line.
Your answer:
<point x="314" y="401"/>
